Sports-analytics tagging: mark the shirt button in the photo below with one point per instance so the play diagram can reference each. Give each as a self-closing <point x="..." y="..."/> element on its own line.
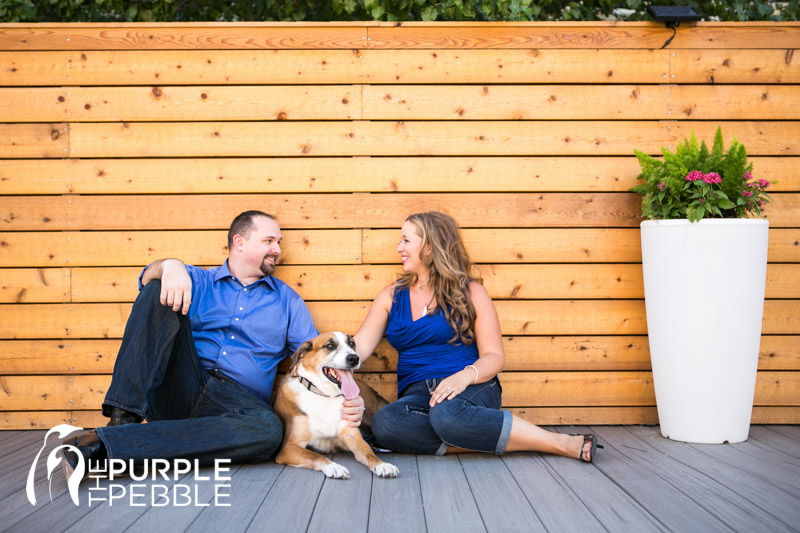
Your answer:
<point x="233" y="336"/>
<point x="241" y="308"/>
<point x="237" y="319"/>
<point x="245" y="290"/>
<point x="224" y="353"/>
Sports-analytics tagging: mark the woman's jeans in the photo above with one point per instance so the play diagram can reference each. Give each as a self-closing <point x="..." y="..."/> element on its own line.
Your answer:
<point x="191" y="413"/>
<point x="472" y="420"/>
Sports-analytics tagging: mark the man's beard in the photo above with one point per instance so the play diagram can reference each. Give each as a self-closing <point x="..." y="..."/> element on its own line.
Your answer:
<point x="267" y="268"/>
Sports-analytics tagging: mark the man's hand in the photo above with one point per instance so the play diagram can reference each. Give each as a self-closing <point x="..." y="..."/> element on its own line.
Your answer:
<point x="176" y="286"/>
<point x="353" y="410"/>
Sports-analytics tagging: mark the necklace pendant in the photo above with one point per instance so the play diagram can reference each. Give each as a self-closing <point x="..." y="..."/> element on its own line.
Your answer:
<point x="425" y="310"/>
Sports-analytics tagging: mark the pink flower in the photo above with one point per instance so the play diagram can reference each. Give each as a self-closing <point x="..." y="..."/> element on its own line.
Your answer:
<point x="694" y="175"/>
<point x="701" y="201"/>
<point x="662" y="186"/>
<point x="712" y="177"/>
<point x="764" y="184"/>
<point x="760" y="202"/>
<point x="747" y="176"/>
<point x="747" y="194"/>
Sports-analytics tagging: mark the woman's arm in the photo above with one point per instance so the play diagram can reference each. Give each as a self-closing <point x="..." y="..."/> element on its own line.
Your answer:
<point x="491" y="356"/>
<point x="374" y="326"/>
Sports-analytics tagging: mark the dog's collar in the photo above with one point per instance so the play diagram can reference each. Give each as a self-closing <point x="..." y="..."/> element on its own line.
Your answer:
<point x="313" y="388"/>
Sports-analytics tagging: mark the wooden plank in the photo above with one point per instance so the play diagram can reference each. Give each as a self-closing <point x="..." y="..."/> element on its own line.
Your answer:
<point x="549" y="495"/>
<point x="488" y="477"/>
<point x="293" y="485"/>
<point x="606" y="501"/>
<point x="516" y="102"/>
<point x="159" y="103"/>
<point x="34" y="140"/>
<point x="536" y="415"/>
<point x="495" y="138"/>
<point x="75" y="248"/>
<point x="97" y="356"/>
<point x="733" y="102"/>
<point x="580" y="102"/>
<point x="396" y="505"/>
<point x="706" y="65"/>
<point x="449" y="503"/>
<point x="754" y="491"/>
<point x="531" y="317"/>
<point x="248" y="488"/>
<point x="35" y="285"/>
<point x="160" y="212"/>
<point x="587" y="415"/>
<point x="335" y="174"/>
<point x="559" y="245"/>
<point x="343" y="503"/>
<point x="363" y="282"/>
<point x="216" y="67"/>
<point x="541" y="317"/>
<point x="182" y="36"/>
<point x="672" y="491"/>
<point x="44" y="420"/>
<point x="623" y="36"/>
<point x="591" y="245"/>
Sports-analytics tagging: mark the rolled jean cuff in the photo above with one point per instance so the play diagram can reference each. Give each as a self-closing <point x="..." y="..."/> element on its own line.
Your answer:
<point x="505" y="433"/>
<point x="442" y="449"/>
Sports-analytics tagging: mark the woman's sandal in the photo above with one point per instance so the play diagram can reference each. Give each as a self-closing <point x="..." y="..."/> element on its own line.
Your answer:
<point x="595" y="445"/>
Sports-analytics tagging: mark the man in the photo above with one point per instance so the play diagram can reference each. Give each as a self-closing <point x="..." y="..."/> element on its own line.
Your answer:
<point x="199" y="356"/>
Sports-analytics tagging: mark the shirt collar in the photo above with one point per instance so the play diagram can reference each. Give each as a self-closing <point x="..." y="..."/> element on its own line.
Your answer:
<point x="223" y="272"/>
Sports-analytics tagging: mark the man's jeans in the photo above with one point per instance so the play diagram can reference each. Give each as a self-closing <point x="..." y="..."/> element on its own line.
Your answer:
<point x="472" y="420"/>
<point x="191" y="413"/>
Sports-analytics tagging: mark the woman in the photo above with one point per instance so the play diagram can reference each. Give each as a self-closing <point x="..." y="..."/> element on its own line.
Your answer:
<point x="445" y="328"/>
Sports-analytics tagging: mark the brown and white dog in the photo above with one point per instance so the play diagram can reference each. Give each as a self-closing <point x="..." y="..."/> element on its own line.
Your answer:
<point x="309" y="401"/>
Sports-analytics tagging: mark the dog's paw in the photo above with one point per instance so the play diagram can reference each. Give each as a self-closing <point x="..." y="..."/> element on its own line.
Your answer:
<point x="336" y="471"/>
<point x="386" y="470"/>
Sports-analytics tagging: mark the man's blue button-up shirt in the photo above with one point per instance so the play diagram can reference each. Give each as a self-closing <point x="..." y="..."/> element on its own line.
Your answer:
<point x="245" y="331"/>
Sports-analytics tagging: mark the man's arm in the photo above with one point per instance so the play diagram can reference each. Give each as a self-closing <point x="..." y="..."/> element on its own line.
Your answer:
<point x="176" y="284"/>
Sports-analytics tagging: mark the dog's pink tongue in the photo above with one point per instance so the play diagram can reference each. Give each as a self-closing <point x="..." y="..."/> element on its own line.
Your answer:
<point x="349" y="387"/>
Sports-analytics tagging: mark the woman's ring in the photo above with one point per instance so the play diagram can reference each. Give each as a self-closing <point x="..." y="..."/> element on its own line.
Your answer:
<point x="450" y="389"/>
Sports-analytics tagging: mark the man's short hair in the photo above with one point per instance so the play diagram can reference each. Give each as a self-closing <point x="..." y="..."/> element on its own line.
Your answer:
<point x="243" y="225"/>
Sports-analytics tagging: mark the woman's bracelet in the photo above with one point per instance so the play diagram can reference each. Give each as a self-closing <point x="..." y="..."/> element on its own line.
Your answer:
<point x="473" y="367"/>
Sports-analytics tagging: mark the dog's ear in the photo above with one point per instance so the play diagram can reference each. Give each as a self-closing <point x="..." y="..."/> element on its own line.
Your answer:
<point x="304" y="349"/>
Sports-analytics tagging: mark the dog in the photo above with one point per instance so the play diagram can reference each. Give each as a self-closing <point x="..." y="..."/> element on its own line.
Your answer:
<point x="309" y="402"/>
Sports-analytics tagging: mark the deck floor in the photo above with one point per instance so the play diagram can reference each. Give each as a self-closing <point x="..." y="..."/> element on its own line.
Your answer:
<point x="639" y="482"/>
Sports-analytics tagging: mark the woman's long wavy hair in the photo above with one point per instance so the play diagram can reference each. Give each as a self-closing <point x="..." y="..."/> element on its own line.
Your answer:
<point x="450" y="271"/>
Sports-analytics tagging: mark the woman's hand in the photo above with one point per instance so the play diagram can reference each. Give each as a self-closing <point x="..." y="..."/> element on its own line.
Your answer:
<point x="353" y="411"/>
<point x="452" y="386"/>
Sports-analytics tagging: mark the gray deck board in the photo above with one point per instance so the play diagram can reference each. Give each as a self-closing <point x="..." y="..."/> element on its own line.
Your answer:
<point x="249" y="486"/>
<point x="487" y="478"/>
<point x="290" y="502"/>
<point x="449" y="503"/>
<point x="396" y="504"/>
<point x="775" y="440"/>
<point x="713" y="505"/>
<point x="640" y="482"/>
<point x="551" y="498"/>
<point x="759" y="496"/>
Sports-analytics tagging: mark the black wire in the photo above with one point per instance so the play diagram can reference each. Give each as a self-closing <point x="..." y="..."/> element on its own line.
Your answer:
<point x="674" y="32"/>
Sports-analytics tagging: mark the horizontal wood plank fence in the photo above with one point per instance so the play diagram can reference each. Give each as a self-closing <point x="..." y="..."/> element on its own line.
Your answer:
<point x="125" y="143"/>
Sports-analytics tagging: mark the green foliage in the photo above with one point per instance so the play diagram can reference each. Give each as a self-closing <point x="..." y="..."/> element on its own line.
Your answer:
<point x="695" y="182"/>
<point x="384" y="10"/>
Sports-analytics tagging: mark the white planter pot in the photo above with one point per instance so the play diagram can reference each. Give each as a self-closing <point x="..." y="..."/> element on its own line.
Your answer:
<point x="704" y="295"/>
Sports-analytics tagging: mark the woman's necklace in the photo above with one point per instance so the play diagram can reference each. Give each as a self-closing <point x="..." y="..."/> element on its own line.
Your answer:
<point x="425" y="307"/>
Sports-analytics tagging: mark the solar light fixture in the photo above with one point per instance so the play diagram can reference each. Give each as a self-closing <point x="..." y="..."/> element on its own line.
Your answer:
<point x="672" y="16"/>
